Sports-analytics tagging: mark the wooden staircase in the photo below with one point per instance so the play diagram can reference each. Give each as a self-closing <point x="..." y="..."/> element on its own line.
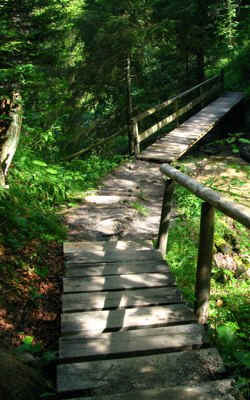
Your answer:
<point x="126" y="332"/>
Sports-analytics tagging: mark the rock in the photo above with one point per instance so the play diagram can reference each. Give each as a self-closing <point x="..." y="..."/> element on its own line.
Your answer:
<point x="26" y="357"/>
<point x="212" y="149"/>
<point x="245" y="152"/>
<point x="225" y="261"/>
<point x="245" y="275"/>
<point x="19" y="381"/>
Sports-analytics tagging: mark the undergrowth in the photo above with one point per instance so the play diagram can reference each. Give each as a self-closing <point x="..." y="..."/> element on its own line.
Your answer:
<point x="229" y="305"/>
<point x="37" y="188"/>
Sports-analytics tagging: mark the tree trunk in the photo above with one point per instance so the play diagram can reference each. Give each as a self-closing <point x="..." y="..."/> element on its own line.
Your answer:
<point x="201" y="40"/>
<point x="129" y="104"/>
<point x="10" y="137"/>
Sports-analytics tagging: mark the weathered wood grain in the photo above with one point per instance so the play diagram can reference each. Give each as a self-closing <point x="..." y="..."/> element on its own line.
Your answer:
<point x="215" y="390"/>
<point x="93" y="323"/>
<point x="120" y="299"/>
<point x="130" y="342"/>
<point x="102" y="283"/>
<point x="140" y="373"/>
<point x="103" y="269"/>
<point x="120" y="251"/>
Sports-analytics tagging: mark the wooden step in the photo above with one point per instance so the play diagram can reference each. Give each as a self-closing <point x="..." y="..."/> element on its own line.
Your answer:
<point x="215" y="390"/>
<point x="105" y="283"/>
<point x="92" y="323"/>
<point x="130" y="342"/>
<point x="101" y="269"/>
<point x="140" y="373"/>
<point x="119" y="251"/>
<point x="120" y="299"/>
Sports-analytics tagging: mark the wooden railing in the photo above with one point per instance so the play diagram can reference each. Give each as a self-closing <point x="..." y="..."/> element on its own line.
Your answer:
<point x="212" y="201"/>
<point x="204" y="91"/>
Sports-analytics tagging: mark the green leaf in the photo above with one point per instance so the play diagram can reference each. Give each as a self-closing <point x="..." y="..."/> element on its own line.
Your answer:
<point x="242" y="140"/>
<point x="39" y="163"/>
<point x="28" y="339"/>
<point x="52" y="171"/>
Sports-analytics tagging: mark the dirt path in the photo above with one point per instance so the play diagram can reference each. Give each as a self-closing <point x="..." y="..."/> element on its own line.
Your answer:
<point x="127" y="205"/>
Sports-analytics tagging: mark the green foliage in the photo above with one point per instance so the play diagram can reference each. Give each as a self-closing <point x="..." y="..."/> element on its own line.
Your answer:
<point x="229" y="304"/>
<point x="140" y="208"/>
<point x="29" y="346"/>
<point x="27" y="209"/>
<point x="183" y="241"/>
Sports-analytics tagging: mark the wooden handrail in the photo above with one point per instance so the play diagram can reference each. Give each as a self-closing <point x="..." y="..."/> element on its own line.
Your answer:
<point x="234" y="210"/>
<point x="139" y="137"/>
<point x="212" y="200"/>
<point x="172" y="117"/>
<point x="166" y="103"/>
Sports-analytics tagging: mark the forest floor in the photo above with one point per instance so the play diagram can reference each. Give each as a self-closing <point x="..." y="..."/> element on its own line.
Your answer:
<point x="30" y="303"/>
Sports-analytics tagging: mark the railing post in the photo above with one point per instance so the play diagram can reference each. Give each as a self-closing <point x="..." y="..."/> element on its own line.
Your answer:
<point x="135" y="135"/>
<point x="201" y="97"/>
<point x="177" y="113"/>
<point x="204" y="264"/>
<point x="222" y="75"/>
<point x="165" y="216"/>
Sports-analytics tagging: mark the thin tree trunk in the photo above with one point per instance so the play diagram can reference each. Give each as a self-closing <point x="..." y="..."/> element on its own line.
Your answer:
<point x="200" y="53"/>
<point x="10" y="138"/>
<point x="129" y="104"/>
<point x="200" y="59"/>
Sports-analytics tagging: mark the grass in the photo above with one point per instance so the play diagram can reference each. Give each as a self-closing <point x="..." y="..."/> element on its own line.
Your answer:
<point x="229" y="324"/>
<point x="140" y="208"/>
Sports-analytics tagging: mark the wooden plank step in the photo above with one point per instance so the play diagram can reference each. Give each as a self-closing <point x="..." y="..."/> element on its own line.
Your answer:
<point x="120" y="299"/>
<point x="103" y="269"/>
<point x="214" y="390"/>
<point x="140" y="373"/>
<point x="120" y="251"/>
<point x="116" y="282"/>
<point x="93" y="323"/>
<point x="135" y="342"/>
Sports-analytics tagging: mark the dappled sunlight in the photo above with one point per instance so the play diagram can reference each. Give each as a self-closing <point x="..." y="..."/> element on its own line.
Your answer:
<point x="102" y="199"/>
<point x="121" y="245"/>
<point x="226" y="174"/>
<point x="142" y="373"/>
<point x="120" y="299"/>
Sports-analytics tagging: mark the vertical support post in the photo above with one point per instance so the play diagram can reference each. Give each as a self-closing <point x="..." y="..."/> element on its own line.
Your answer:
<point x="222" y="77"/>
<point x="177" y="113"/>
<point x="204" y="264"/>
<point x="135" y="136"/>
<point x="167" y="202"/>
<point x="201" y="97"/>
<point x="129" y="102"/>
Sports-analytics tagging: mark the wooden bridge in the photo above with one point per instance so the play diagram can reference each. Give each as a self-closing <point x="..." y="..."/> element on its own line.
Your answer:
<point x="176" y="143"/>
<point x="126" y="331"/>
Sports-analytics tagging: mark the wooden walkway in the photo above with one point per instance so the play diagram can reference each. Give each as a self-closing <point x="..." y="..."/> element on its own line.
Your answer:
<point x="176" y="143"/>
<point x="126" y="332"/>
